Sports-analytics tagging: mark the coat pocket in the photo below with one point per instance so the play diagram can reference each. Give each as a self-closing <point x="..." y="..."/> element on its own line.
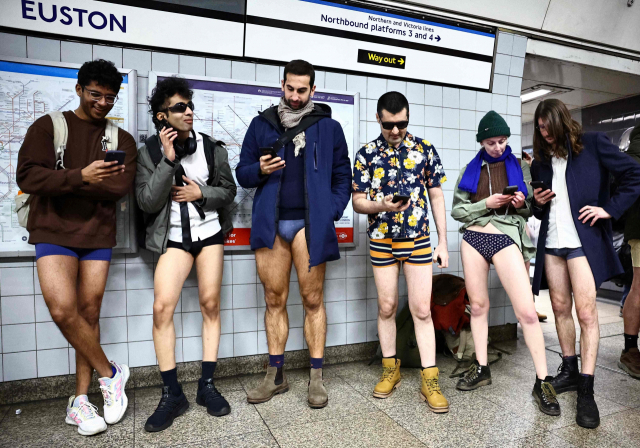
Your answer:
<point x="315" y="156"/>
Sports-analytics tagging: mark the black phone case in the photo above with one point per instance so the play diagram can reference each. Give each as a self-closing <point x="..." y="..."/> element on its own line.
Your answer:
<point x="110" y="156"/>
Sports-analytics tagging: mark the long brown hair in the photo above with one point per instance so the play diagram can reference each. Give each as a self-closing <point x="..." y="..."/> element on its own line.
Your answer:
<point x="559" y="125"/>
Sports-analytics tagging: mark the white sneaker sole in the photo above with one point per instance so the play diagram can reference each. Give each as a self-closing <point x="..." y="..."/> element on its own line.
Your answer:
<point x="125" y="400"/>
<point x="70" y="421"/>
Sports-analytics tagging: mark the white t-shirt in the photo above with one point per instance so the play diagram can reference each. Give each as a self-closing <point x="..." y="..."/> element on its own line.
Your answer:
<point x="195" y="168"/>
<point x="562" y="231"/>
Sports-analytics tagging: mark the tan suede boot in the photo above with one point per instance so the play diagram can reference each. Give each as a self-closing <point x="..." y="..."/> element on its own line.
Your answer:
<point x="390" y="379"/>
<point x="318" y="397"/>
<point x="431" y="392"/>
<point x="268" y="388"/>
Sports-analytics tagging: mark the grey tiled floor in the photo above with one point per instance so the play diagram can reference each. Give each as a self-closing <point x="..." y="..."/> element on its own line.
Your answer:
<point x="500" y="415"/>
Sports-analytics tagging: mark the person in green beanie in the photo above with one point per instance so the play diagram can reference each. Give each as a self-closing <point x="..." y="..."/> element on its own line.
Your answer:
<point x="492" y="199"/>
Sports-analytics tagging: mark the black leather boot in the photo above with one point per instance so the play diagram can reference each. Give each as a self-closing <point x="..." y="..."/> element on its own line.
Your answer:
<point x="545" y="396"/>
<point x="475" y="377"/>
<point x="567" y="378"/>
<point x="588" y="415"/>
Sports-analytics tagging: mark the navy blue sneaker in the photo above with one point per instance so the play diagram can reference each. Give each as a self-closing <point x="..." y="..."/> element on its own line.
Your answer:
<point x="209" y="396"/>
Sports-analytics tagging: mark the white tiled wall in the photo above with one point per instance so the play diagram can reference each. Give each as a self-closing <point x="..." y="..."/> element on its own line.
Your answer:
<point x="32" y="346"/>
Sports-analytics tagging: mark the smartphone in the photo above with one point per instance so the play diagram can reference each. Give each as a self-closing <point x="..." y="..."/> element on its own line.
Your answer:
<point x="269" y="151"/>
<point x="539" y="184"/>
<point x="163" y="124"/>
<point x="110" y="156"/>
<point x="511" y="189"/>
<point x="400" y="197"/>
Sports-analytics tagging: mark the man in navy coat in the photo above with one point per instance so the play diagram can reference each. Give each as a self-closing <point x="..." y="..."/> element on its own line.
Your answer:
<point x="302" y="190"/>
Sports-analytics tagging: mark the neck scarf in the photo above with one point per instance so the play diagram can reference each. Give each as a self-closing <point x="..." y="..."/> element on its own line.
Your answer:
<point x="471" y="177"/>
<point x="290" y="118"/>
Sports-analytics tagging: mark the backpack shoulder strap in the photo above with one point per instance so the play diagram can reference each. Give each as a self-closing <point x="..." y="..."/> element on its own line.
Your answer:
<point x="210" y="148"/>
<point x="288" y="135"/>
<point x="111" y="134"/>
<point x="60" y="136"/>
<point x="153" y="145"/>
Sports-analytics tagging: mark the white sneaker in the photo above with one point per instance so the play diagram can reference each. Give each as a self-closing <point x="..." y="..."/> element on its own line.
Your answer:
<point x="85" y="416"/>
<point x="115" y="400"/>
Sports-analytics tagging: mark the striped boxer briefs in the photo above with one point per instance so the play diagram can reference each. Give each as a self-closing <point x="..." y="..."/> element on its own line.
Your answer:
<point x="389" y="252"/>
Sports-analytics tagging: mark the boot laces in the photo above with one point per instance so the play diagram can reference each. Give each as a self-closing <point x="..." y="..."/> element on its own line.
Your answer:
<point x="548" y="393"/>
<point x="472" y="373"/>
<point x="387" y="373"/>
<point x="433" y="385"/>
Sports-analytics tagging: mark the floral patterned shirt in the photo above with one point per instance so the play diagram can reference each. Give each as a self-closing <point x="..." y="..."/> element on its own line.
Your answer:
<point x="410" y="169"/>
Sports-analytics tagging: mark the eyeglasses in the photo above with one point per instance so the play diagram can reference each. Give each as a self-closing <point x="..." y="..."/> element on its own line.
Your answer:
<point x="389" y="125"/>
<point x="97" y="96"/>
<point x="180" y="108"/>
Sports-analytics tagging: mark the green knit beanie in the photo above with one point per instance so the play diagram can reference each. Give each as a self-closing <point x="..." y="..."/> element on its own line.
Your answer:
<point x="492" y="125"/>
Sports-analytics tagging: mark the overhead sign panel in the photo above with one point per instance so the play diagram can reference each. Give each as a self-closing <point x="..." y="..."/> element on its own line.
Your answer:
<point x="346" y="36"/>
<point x="153" y="24"/>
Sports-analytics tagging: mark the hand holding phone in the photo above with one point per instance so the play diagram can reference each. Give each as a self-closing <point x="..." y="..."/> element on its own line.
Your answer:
<point x="117" y="156"/>
<point x="541" y="193"/>
<point x="510" y="190"/>
<point x="400" y="197"/>
<point x="269" y="161"/>
<point x="167" y="136"/>
<point x="539" y="184"/>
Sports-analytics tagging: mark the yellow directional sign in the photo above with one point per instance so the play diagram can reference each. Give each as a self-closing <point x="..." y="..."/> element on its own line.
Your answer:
<point x="382" y="59"/>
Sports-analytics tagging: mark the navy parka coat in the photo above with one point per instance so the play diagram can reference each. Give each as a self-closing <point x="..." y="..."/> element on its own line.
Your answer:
<point x="327" y="177"/>
<point x="588" y="184"/>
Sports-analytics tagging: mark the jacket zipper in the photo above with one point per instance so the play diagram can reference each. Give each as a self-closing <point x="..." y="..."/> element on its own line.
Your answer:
<point x="315" y="155"/>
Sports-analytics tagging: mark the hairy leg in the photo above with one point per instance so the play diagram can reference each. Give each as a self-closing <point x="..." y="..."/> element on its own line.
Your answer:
<point x="311" y="289"/>
<point x="92" y="279"/>
<point x="274" y="270"/>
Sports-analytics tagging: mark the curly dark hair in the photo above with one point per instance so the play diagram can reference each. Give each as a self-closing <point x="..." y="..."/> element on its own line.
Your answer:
<point x="103" y="72"/>
<point x="559" y="124"/>
<point x="164" y="90"/>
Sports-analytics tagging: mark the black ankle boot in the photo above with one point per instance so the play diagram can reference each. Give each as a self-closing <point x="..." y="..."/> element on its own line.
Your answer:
<point x="588" y="415"/>
<point x="545" y="396"/>
<point x="475" y="377"/>
<point x="567" y="378"/>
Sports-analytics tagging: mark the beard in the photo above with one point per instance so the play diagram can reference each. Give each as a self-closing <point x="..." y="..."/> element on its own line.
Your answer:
<point x="300" y="106"/>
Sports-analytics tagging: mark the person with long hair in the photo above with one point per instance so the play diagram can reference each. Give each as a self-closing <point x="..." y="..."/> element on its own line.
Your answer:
<point x="575" y="249"/>
<point x="494" y="227"/>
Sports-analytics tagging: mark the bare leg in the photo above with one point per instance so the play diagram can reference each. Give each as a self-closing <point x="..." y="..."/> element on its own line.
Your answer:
<point x="387" y="286"/>
<point x="631" y="311"/>
<point x="209" y="264"/>
<point x="559" y="282"/>
<point x="311" y="286"/>
<point x="419" y="279"/>
<point x="476" y="272"/>
<point x="274" y="270"/>
<point x="515" y="280"/>
<point x="172" y="270"/>
<point x="584" y="293"/>
<point x="58" y="276"/>
<point x="92" y="279"/>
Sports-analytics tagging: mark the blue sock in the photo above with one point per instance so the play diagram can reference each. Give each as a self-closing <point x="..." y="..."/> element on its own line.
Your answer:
<point x="113" y="369"/>
<point x="276" y="360"/>
<point x="316" y="363"/>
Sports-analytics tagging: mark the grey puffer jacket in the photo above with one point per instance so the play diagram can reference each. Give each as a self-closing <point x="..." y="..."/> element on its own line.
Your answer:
<point x="153" y="192"/>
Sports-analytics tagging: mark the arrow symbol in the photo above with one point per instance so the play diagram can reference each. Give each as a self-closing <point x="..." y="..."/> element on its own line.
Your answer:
<point x="401" y="61"/>
<point x="438" y="38"/>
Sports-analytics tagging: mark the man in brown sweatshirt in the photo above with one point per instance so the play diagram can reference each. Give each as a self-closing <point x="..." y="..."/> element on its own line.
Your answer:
<point x="72" y="223"/>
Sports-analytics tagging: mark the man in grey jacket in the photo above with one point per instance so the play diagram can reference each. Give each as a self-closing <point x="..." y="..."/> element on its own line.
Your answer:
<point x="183" y="185"/>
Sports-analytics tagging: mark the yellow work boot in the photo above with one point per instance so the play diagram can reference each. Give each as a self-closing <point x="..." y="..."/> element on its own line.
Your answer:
<point x="390" y="378"/>
<point x="431" y="392"/>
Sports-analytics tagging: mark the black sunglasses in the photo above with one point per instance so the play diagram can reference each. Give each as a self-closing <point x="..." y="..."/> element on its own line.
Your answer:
<point x="389" y="125"/>
<point x="180" y="108"/>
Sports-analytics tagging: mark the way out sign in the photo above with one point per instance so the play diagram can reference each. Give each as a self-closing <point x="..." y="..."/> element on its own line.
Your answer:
<point x="382" y="59"/>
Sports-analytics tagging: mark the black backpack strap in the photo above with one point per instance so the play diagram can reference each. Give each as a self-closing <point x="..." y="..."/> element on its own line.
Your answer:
<point x="288" y="135"/>
<point x="209" y="148"/>
<point x="153" y="145"/>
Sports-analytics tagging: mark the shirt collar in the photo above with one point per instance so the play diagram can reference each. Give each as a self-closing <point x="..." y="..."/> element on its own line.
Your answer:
<point x="403" y="145"/>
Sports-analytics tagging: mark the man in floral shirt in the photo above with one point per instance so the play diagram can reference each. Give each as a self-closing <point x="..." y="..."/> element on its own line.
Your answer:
<point x="400" y="164"/>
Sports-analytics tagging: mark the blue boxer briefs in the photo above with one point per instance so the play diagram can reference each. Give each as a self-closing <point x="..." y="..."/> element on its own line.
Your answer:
<point x="44" y="249"/>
